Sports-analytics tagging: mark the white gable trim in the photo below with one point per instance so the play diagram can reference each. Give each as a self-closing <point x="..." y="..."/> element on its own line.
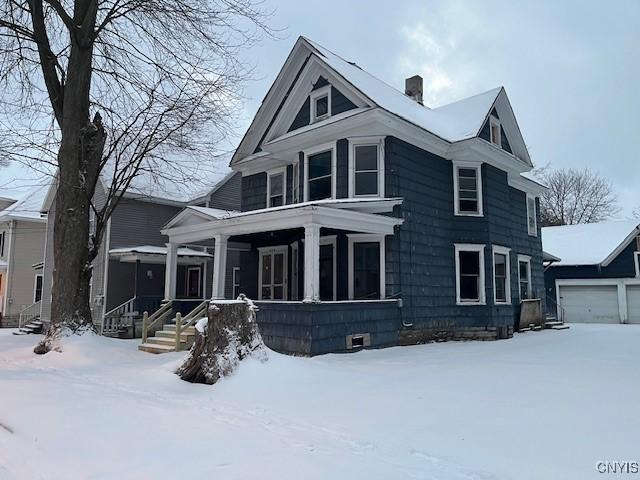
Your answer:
<point x="618" y="250"/>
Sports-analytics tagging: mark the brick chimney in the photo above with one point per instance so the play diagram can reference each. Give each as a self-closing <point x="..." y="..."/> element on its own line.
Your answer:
<point x="413" y="88"/>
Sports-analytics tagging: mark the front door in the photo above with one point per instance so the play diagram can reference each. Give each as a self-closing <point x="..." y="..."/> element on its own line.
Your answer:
<point x="193" y="282"/>
<point x="273" y="273"/>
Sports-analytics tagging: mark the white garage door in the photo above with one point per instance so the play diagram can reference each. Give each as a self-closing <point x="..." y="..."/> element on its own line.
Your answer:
<point x="590" y="303"/>
<point x="633" y="303"/>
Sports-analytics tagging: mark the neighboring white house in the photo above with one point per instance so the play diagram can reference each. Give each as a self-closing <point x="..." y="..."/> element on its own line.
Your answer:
<point x="22" y="236"/>
<point x="596" y="278"/>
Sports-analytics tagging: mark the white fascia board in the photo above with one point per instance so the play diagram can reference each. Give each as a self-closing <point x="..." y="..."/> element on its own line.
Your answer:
<point x="618" y="250"/>
<point x="274" y="219"/>
<point x="523" y="184"/>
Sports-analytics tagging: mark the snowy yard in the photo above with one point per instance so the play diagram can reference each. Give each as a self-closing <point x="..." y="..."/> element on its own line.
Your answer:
<point x="545" y="405"/>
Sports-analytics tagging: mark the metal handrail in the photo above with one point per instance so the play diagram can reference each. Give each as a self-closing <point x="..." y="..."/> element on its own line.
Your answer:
<point x="558" y="307"/>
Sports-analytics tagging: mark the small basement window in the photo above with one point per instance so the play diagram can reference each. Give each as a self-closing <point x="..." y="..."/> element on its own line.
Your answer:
<point x="357" y="341"/>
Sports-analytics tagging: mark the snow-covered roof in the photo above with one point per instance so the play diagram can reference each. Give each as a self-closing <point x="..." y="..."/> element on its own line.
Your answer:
<point x="590" y="243"/>
<point x="154" y="250"/>
<point x="29" y="207"/>
<point x="452" y="122"/>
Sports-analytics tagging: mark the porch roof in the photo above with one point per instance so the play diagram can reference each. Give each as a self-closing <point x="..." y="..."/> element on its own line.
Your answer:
<point x="359" y="215"/>
<point x="152" y="252"/>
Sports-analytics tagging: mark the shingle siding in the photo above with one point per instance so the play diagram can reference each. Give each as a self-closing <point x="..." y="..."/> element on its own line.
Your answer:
<point x="228" y="196"/>
<point x="138" y="222"/>
<point x="339" y="104"/>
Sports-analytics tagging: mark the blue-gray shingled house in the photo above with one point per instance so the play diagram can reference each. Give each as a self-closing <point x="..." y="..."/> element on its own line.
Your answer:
<point x="371" y="219"/>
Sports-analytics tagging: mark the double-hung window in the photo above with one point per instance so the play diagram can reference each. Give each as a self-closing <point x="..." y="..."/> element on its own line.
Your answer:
<point x="470" y="288"/>
<point x="524" y="276"/>
<point x="532" y="224"/>
<point x="319" y="173"/>
<point x="37" y="289"/>
<point x="501" y="276"/>
<point x="276" y="182"/>
<point x="366" y="267"/>
<point x="366" y="167"/>
<point x="467" y="190"/>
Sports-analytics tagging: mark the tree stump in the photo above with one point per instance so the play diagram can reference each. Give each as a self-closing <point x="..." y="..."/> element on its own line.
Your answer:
<point x="228" y="335"/>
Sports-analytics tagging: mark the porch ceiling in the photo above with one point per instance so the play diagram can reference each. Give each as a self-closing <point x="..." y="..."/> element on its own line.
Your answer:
<point x="286" y="217"/>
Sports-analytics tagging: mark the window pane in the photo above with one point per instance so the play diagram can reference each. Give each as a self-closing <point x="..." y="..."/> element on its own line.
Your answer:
<point x="366" y="183"/>
<point x="468" y="195"/>
<point x="470" y="263"/>
<point x="276" y="201"/>
<point x="500" y="264"/>
<point x="524" y="271"/>
<point x="320" y="189"/>
<point x="326" y="272"/>
<point x="266" y="293"/>
<point x="276" y="184"/>
<point x="469" y="206"/>
<point x="366" y="157"/>
<point x="322" y="105"/>
<point x="467" y="184"/>
<point x="469" y="287"/>
<point x="366" y="274"/>
<point x="501" y="289"/>
<point x="278" y="292"/>
<point x="320" y="164"/>
<point x="278" y="269"/>
<point x="467" y="173"/>
<point x="266" y="269"/>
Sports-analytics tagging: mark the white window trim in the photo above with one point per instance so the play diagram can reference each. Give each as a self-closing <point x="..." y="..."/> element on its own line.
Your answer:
<point x="196" y="267"/>
<point x="268" y="251"/>
<point x="326" y="147"/>
<point x="533" y="233"/>
<point x="470" y="247"/>
<point x="362" y="238"/>
<point x="332" y="240"/>
<point x="313" y="96"/>
<point x="35" y="286"/>
<point x="235" y="278"/>
<point x="497" y="250"/>
<point x="456" y="204"/>
<point x="277" y="171"/>
<point x="494" y="122"/>
<point x="527" y="259"/>
<point x="358" y="142"/>
<point x="637" y="258"/>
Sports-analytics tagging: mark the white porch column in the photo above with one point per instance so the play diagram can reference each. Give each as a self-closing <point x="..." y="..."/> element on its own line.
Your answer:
<point x="311" y="263"/>
<point x="171" y="271"/>
<point x="219" y="267"/>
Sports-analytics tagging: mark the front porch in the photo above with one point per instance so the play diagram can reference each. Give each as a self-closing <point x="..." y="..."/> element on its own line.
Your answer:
<point x="316" y="270"/>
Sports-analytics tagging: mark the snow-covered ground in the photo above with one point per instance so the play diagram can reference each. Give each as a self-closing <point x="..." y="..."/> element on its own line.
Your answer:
<point x="545" y="405"/>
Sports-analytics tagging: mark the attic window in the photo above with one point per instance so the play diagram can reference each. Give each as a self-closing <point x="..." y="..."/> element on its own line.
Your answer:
<point x="496" y="133"/>
<point x="320" y="104"/>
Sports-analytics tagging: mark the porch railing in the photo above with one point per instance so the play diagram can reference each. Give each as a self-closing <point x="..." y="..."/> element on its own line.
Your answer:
<point x="126" y="313"/>
<point x="28" y="314"/>
<point x="160" y="315"/>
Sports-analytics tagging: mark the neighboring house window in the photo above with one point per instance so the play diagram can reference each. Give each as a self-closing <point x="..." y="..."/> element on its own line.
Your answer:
<point x="2" y="239"/>
<point x="37" y="290"/>
<point x="501" y="275"/>
<point x="295" y="182"/>
<point x="366" y="167"/>
<point x="470" y="288"/>
<point x="467" y="190"/>
<point x="366" y="267"/>
<point x="524" y="276"/>
<point x="276" y="182"/>
<point x="319" y="172"/>
<point x="236" y="282"/>
<point x="320" y="104"/>
<point x="496" y="134"/>
<point x="273" y="273"/>
<point x="532" y="224"/>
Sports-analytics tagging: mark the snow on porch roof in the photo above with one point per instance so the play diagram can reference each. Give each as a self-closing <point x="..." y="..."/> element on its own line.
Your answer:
<point x="153" y="250"/>
<point x="453" y="122"/>
<point x="590" y="243"/>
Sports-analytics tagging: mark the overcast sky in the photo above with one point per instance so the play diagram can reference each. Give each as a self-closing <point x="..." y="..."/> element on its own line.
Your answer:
<point x="570" y="68"/>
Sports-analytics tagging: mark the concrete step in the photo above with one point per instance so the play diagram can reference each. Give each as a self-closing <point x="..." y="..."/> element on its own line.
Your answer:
<point x="36" y="322"/>
<point x="155" y="348"/>
<point x="552" y="323"/>
<point x="560" y="327"/>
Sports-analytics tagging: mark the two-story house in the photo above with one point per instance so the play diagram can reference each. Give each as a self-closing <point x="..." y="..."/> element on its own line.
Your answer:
<point x="372" y="219"/>
<point x="22" y="236"/>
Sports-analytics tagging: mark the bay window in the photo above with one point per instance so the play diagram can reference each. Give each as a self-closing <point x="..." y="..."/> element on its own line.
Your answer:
<point x="469" y="261"/>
